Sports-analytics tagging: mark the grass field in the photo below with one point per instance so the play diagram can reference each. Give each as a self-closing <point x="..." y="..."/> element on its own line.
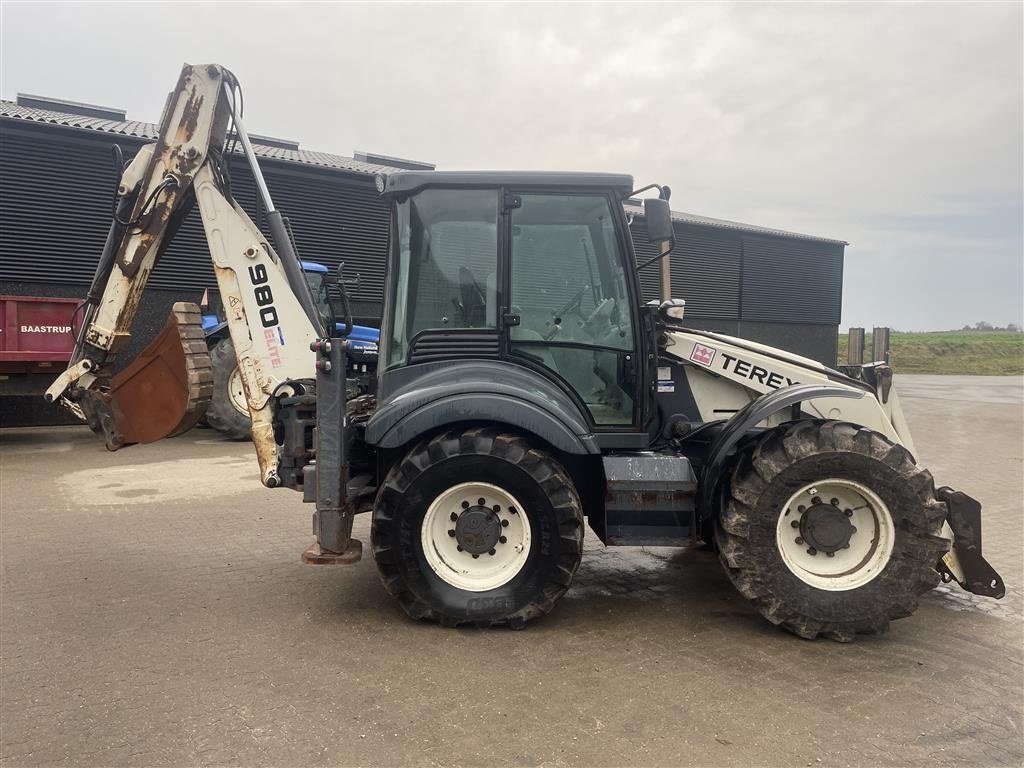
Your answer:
<point x="995" y="353"/>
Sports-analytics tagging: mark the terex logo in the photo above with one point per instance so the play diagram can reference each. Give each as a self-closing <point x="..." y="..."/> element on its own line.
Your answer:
<point x="753" y="372"/>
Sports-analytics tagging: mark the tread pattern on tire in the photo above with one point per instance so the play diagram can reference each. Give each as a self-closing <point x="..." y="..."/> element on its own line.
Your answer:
<point x="919" y="545"/>
<point x="220" y="413"/>
<point x="481" y="441"/>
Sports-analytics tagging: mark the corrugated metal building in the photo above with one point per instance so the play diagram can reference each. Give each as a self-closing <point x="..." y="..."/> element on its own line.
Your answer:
<point x="56" y="191"/>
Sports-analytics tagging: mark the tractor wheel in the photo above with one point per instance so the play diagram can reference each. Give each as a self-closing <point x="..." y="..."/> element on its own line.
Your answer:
<point x="477" y="527"/>
<point x="228" y="412"/>
<point x="830" y="529"/>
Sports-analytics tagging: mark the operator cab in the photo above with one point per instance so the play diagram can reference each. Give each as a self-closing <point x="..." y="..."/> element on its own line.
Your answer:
<point x="530" y="268"/>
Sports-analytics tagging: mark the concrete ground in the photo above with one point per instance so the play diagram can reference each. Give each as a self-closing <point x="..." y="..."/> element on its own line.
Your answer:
<point x="154" y="612"/>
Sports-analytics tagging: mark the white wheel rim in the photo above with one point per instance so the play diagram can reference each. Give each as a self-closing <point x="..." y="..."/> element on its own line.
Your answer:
<point x="236" y="393"/>
<point x="457" y="566"/>
<point x="867" y="550"/>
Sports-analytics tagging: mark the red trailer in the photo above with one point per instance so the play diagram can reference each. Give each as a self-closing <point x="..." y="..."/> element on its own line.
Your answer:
<point x="35" y="341"/>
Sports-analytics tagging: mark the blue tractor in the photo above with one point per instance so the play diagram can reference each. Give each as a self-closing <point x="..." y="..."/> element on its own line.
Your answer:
<point x="227" y="411"/>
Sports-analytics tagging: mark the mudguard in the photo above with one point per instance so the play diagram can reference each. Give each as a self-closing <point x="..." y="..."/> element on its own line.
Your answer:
<point x="749" y="417"/>
<point x="418" y="399"/>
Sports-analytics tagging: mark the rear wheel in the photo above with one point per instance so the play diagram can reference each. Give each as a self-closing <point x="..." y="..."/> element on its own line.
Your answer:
<point x="228" y="411"/>
<point x="477" y="527"/>
<point x="831" y="529"/>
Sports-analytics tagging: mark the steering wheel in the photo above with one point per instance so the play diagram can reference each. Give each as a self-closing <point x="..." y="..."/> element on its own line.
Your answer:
<point x="573" y="304"/>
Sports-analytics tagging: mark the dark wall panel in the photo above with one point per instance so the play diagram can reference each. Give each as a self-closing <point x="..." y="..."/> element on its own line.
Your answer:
<point x="56" y="198"/>
<point x="705" y="270"/>
<point x="335" y="220"/>
<point x="792" y="281"/>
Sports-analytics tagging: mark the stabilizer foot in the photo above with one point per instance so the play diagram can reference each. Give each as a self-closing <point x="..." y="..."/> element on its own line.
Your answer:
<point x="316" y="556"/>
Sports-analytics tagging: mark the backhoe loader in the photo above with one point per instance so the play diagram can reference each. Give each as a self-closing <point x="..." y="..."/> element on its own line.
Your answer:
<point x="523" y="391"/>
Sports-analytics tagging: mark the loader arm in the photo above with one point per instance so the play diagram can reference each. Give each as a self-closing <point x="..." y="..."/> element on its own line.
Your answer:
<point x="271" y="313"/>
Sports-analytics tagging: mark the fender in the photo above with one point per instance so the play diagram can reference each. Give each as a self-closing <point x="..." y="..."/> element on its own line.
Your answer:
<point x="746" y="419"/>
<point x="420" y="398"/>
<point x="501" y="409"/>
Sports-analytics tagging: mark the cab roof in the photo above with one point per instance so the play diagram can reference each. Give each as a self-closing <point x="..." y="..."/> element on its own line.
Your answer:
<point x="407" y="182"/>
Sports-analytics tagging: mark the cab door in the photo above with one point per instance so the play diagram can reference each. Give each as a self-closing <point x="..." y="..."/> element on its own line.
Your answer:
<point x="567" y="305"/>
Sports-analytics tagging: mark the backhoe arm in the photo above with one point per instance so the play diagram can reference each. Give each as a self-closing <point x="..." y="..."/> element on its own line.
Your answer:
<point x="271" y="313"/>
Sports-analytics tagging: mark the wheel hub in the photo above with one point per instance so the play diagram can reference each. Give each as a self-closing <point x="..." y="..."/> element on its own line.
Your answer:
<point x="826" y="528"/>
<point x="835" y="534"/>
<point x="478" y="529"/>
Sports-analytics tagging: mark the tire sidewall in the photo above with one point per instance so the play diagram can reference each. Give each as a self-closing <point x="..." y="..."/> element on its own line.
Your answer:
<point x="895" y="578"/>
<point x="419" y="578"/>
<point x="221" y="413"/>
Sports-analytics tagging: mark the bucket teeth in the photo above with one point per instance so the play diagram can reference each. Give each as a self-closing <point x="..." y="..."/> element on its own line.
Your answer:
<point x="163" y="393"/>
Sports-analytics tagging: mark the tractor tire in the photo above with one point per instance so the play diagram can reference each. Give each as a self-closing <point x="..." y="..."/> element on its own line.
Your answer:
<point x="477" y="527"/>
<point x="830" y="529"/>
<point x="223" y="413"/>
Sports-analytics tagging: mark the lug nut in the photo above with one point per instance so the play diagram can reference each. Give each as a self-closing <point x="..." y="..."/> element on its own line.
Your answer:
<point x="816" y="500"/>
<point x="799" y="540"/>
<point x="465" y="505"/>
<point x="830" y="554"/>
<point x="504" y="523"/>
<point x="451" y="533"/>
<point x="459" y="548"/>
<point x="853" y="529"/>
<point x="801" y="508"/>
<point x="846" y="546"/>
<point x="480" y="502"/>
<point x="795" y="523"/>
<point x="454" y="517"/>
<point x="475" y="555"/>
<point x="848" y="512"/>
<point x="834" y="502"/>
<point x="812" y="551"/>
<point x="512" y="510"/>
<point x="492" y="552"/>
<point x="503" y="540"/>
<point x="496" y="508"/>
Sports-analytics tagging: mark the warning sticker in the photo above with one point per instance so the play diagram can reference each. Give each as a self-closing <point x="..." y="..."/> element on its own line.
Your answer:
<point x="702" y="355"/>
<point x="665" y="381"/>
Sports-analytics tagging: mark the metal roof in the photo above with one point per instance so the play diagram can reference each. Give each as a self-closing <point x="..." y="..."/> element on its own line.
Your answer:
<point x="408" y="181"/>
<point x="150" y="132"/>
<point x="706" y="221"/>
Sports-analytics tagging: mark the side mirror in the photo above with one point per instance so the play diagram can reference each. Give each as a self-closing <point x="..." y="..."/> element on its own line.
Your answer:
<point x="659" y="221"/>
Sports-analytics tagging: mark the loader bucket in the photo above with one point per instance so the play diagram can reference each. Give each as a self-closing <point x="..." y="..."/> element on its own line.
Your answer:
<point x="163" y="393"/>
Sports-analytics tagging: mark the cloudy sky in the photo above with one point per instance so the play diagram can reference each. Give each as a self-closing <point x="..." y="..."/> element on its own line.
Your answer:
<point x="896" y="127"/>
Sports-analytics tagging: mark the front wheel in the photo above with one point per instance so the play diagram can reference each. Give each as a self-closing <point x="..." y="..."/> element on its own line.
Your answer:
<point x="831" y="529"/>
<point x="477" y="527"/>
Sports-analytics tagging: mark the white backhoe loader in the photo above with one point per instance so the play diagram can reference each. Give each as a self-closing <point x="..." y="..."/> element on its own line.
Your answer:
<point x="524" y="390"/>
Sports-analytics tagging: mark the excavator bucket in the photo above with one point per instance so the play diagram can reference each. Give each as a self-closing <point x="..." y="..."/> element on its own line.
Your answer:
<point x="163" y="393"/>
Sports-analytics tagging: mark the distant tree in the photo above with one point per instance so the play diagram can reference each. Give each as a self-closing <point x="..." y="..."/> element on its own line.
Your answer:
<point x="1013" y="328"/>
<point x="983" y="326"/>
